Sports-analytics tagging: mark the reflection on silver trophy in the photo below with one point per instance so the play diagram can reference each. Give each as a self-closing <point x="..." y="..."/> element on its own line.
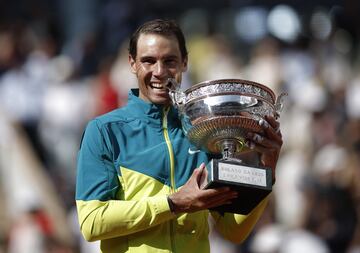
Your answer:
<point x="215" y="117"/>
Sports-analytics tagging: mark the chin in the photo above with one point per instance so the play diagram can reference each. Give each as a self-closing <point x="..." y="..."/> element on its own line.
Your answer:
<point x="161" y="100"/>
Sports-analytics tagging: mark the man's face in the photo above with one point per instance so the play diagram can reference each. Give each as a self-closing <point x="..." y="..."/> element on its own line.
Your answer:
<point x="158" y="58"/>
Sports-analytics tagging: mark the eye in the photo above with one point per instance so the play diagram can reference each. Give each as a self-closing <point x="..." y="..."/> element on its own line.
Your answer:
<point x="171" y="62"/>
<point x="148" y="61"/>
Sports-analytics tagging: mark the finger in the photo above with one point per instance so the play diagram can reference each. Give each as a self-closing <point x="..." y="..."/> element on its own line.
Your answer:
<point x="271" y="129"/>
<point x="214" y="192"/>
<point x="220" y="200"/>
<point x="272" y="121"/>
<point x="202" y="166"/>
<point x="250" y="144"/>
<point x="270" y="132"/>
<point x="203" y="179"/>
<point x="259" y="140"/>
<point x="208" y="195"/>
<point x="196" y="176"/>
<point x="201" y="170"/>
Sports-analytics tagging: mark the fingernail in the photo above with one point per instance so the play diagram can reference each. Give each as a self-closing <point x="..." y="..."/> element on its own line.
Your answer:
<point x="263" y="123"/>
<point x="257" y="137"/>
<point x="252" y="145"/>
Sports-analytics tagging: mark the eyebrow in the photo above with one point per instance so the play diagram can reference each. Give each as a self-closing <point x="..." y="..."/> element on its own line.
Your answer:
<point x="172" y="56"/>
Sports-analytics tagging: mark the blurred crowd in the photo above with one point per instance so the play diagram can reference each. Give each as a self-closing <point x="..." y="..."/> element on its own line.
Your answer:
<point x="52" y="81"/>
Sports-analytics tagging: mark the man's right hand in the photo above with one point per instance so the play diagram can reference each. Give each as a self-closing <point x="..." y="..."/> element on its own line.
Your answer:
<point x="192" y="197"/>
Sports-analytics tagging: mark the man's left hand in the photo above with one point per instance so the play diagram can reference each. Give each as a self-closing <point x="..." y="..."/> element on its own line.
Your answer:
<point x="268" y="143"/>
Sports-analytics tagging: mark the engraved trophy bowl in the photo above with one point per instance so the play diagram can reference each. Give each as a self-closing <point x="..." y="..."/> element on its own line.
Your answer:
<point x="215" y="117"/>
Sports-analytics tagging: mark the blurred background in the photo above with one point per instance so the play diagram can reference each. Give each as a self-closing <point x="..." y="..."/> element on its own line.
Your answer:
<point x="62" y="62"/>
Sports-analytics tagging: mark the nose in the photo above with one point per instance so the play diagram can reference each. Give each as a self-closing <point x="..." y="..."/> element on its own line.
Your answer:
<point x="159" y="69"/>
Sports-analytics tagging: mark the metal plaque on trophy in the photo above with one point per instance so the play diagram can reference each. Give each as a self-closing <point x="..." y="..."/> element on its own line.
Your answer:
<point x="215" y="117"/>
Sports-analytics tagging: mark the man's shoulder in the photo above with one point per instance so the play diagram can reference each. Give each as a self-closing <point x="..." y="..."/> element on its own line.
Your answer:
<point x="119" y="115"/>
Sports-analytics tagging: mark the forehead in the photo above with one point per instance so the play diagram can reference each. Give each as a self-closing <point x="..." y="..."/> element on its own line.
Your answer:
<point x="157" y="44"/>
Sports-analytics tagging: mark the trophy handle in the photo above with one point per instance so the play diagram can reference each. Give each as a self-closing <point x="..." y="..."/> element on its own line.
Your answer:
<point x="279" y="104"/>
<point x="177" y="96"/>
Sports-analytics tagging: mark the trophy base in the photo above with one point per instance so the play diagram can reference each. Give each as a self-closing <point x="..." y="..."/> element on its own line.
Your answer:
<point x="253" y="184"/>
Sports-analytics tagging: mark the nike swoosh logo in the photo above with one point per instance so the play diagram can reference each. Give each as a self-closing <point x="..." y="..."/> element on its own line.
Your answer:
<point x="191" y="152"/>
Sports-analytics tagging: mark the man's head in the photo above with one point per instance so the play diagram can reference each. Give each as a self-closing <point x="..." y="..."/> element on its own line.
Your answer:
<point x="157" y="52"/>
<point x="162" y="27"/>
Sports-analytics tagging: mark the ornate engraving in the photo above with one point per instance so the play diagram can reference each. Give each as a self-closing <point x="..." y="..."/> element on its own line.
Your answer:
<point x="222" y="111"/>
<point x="236" y="87"/>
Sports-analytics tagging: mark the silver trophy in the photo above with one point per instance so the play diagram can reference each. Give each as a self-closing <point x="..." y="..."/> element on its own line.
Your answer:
<point x="215" y="117"/>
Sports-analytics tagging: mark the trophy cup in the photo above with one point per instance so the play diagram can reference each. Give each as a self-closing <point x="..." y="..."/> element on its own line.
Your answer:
<point x="215" y="117"/>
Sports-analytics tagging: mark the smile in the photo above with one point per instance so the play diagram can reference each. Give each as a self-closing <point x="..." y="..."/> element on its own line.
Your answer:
<point x="159" y="85"/>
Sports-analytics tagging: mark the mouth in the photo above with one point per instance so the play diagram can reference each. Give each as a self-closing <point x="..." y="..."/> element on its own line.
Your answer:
<point x="160" y="85"/>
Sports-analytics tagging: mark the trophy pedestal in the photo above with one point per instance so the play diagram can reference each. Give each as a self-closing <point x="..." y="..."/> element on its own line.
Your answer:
<point x="253" y="184"/>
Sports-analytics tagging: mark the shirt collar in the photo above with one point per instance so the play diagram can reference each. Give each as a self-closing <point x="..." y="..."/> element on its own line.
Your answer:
<point x="152" y="112"/>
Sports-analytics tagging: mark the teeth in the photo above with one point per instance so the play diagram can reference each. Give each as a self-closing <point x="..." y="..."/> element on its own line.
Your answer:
<point x="158" y="85"/>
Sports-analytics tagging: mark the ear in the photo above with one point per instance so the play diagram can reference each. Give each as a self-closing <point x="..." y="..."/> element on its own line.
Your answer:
<point x="132" y="63"/>
<point x="185" y="64"/>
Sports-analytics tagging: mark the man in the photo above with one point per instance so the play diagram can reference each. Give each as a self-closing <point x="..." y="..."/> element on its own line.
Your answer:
<point x="138" y="188"/>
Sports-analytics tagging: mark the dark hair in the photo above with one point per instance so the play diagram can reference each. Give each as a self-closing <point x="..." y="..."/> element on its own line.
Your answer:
<point x="161" y="27"/>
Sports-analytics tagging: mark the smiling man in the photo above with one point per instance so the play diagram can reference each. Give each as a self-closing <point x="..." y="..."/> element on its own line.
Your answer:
<point x="157" y="58"/>
<point x="138" y="186"/>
